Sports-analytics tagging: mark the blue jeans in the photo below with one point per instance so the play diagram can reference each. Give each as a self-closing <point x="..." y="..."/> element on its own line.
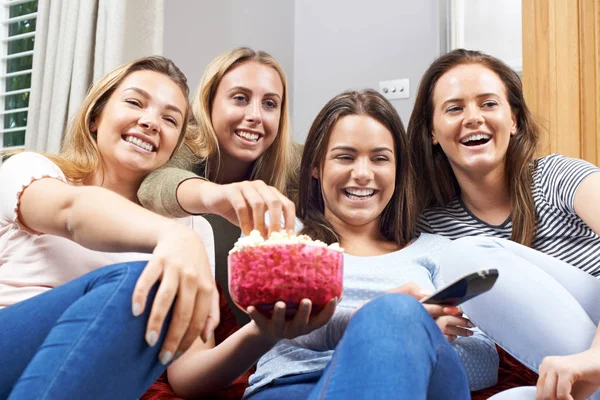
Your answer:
<point x="79" y="341"/>
<point x="540" y="306"/>
<point x="391" y="349"/>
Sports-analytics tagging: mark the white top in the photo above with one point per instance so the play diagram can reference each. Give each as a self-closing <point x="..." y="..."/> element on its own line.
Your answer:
<point x="559" y="233"/>
<point x="32" y="263"/>
<point x="366" y="278"/>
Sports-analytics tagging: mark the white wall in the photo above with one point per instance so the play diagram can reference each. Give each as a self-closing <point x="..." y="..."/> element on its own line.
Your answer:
<point x="494" y="27"/>
<point x="196" y="31"/>
<point x="343" y="44"/>
<point x="325" y="46"/>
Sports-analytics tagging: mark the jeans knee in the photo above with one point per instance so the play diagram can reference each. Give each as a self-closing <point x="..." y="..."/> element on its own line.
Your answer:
<point x="123" y="275"/>
<point x="395" y="309"/>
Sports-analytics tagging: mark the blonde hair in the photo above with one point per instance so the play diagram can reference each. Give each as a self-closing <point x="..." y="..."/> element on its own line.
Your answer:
<point x="202" y="138"/>
<point x="79" y="155"/>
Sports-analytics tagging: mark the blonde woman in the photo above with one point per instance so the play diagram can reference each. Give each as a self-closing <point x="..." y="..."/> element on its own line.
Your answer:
<point x="237" y="161"/>
<point x="239" y="148"/>
<point x="72" y="328"/>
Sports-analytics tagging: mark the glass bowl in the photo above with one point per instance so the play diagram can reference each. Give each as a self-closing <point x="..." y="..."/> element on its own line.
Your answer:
<point x="262" y="275"/>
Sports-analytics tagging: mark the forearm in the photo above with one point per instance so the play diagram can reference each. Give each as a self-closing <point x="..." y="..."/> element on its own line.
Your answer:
<point x="104" y="221"/>
<point x="191" y="195"/>
<point x="596" y="341"/>
<point x="203" y="371"/>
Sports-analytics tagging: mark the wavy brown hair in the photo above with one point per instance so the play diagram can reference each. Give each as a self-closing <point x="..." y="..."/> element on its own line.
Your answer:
<point x="79" y="155"/>
<point x="438" y="185"/>
<point x="398" y="218"/>
<point x="274" y="165"/>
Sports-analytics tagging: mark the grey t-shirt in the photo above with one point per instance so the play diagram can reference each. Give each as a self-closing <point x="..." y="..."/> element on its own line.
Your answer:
<point x="364" y="279"/>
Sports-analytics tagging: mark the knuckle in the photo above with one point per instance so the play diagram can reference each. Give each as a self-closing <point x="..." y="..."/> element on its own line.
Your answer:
<point x="189" y="275"/>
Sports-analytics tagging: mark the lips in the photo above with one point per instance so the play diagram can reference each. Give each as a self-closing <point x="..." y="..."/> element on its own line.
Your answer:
<point x="140" y="142"/>
<point x="359" y="193"/>
<point x="476" y="139"/>
<point x="248" y="135"/>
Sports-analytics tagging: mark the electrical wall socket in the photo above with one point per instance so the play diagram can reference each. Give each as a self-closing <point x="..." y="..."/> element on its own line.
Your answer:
<point x="395" y="89"/>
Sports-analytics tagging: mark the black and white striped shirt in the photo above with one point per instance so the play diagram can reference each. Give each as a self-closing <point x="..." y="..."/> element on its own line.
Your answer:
<point x="559" y="233"/>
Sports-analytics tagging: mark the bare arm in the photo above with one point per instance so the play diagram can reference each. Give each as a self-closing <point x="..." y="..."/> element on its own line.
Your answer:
<point x="205" y="369"/>
<point x="102" y="220"/>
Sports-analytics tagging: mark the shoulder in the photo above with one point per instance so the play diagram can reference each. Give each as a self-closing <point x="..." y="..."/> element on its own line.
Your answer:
<point x="32" y="165"/>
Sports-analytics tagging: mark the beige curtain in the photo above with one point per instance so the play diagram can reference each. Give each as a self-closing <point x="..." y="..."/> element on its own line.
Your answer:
<point x="76" y="43"/>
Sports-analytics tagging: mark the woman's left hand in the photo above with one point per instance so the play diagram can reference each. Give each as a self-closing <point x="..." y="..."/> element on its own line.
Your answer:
<point x="573" y="377"/>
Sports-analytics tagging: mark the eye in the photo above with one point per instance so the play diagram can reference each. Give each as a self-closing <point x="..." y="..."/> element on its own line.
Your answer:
<point x="240" y="98"/>
<point x="489" y="104"/>
<point x="134" y="102"/>
<point x="453" y="109"/>
<point x="381" y="159"/>
<point x="270" y="104"/>
<point x="171" y="120"/>
<point x="344" y="157"/>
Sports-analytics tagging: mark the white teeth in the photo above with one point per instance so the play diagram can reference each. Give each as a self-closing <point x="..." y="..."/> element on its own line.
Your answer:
<point x="247" y="135"/>
<point x="477" y="136"/>
<point x="139" y="143"/>
<point x="360" y="192"/>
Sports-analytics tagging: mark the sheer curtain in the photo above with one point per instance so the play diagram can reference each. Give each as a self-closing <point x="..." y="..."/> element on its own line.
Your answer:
<point x="76" y="43"/>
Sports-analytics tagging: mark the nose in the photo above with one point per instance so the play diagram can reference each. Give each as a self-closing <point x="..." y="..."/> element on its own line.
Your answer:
<point x="149" y="121"/>
<point x="473" y="117"/>
<point x="254" y="112"/>
<point x="362" y="172"/>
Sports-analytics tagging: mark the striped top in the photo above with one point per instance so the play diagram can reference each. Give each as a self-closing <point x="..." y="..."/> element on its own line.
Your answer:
<point x="559" y="232"/>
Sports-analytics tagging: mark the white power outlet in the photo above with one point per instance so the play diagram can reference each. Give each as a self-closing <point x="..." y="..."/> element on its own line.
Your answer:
<point x="395" y="89"/>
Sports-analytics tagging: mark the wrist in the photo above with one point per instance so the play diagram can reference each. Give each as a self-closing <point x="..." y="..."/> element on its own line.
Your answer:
<point x="190" y="195"/>
<point x="257" y="335"/>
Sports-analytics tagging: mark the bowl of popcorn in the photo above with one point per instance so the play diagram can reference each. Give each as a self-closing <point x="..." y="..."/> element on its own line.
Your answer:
<point x="287" y="268"/>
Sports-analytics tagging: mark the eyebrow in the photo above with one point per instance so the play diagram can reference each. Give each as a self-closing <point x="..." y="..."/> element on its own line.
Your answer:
<point x="245" y="89"/>
<point x="353" y="150"/>
<point x="478" y="96"/>
<point x="145" y="94"/>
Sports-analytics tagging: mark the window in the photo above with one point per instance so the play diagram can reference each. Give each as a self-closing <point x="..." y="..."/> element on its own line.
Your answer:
<point x="17" y="36"/>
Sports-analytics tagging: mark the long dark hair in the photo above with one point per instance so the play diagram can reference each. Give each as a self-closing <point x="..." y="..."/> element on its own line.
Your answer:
<point x="437" y="185"/>
<point x="398" y="219"/>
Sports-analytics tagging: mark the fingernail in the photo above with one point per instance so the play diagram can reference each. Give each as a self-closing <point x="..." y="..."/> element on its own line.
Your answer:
<point x="177" y="355"/>
<point x="152" y="338"/>
<point x="166" y="357"/>
<point x="137" y="309"/>
<point x="469" y="333"/>
<point x="426" y="293"/>
<point x="471" y="325"/>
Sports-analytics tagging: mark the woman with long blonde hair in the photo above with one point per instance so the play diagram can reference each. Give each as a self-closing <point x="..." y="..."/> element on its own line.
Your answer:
<point x="237" y="157"/>
<point x="71" y="327"/>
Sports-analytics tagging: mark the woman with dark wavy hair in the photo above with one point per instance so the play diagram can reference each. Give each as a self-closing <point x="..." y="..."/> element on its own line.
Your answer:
<point x="474" y="141"/>
<point x="357" y="188"/>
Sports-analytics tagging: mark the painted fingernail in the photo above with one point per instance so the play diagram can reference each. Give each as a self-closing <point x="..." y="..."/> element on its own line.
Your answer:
<point x="166" y="357"/>
<point x="137" y="309"/>
<point x="152" y="338"/>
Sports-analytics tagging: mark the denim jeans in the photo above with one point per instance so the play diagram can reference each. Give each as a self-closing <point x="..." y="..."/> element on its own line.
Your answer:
<point x="391" y="349"/>
<point x="79" y="341"/>
<point x="540" y="306"/>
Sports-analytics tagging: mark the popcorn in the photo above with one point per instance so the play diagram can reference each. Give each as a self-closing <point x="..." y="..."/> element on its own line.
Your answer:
<point x="278" y="238"/>
<point x="284" y="267"/>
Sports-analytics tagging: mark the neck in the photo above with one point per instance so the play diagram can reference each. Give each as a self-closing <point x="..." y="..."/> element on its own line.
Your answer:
<point x="486" y="195"/>
<point x="232" y="170"/>
<point x="126" y="186"/>
<point x="364" y="240"/>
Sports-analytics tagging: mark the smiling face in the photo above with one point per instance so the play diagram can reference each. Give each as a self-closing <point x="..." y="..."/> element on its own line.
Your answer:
<point x="141" y="122"/>
<point x="246" y="110"/>
<point x="358" y="173"/>
<point x="472" y="119"/>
